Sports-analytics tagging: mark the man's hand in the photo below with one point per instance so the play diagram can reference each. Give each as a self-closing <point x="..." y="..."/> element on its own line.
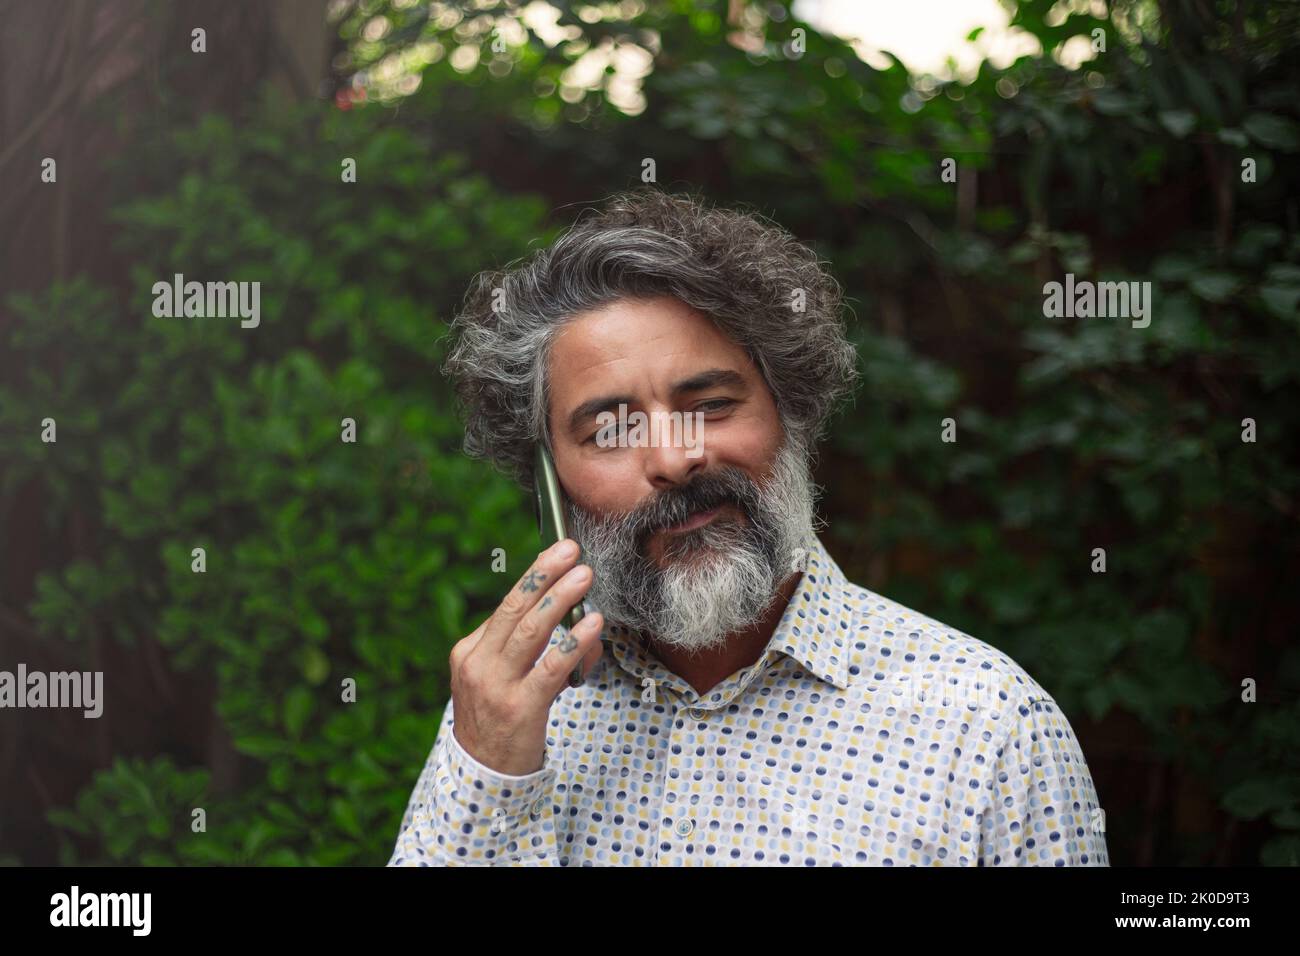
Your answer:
<point x="501" y="701"/>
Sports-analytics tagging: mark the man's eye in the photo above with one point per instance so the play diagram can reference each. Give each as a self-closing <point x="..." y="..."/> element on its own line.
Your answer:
<point x="717" y="403"/>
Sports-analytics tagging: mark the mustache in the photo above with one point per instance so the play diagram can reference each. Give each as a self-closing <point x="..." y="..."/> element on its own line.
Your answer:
<point x="675" y="505"/>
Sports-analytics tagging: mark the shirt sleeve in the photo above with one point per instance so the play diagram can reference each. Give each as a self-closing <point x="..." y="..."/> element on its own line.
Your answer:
<point x="1044" y="809"/>
<point x="462" y="813"/>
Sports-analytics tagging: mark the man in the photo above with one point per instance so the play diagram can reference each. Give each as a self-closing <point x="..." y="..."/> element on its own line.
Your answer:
<point x="743" y="703"/>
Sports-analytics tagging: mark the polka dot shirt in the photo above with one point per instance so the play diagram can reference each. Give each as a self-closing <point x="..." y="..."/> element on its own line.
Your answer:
<point x="866" y="734"/>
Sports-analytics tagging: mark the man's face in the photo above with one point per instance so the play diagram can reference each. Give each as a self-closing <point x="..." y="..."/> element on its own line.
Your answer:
<point x="687" y="543"/>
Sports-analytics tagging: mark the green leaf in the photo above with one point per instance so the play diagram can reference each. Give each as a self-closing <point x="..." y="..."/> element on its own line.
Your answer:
<point x="281" y="857"/>
<point x="1281" y="300"/>
<point x="1178" y="122"/>
<point x="261" y="746"/>
<point x="68" y="820"/>
<point x="1275" y="132"/>
<point x="1233" y="137"/>
<point x="1110" y="102"/>
<point x="344" y="814"/>
<point x="450" y="604"/>
<point x="298" y="706"/>
<point x="1174" y="267"/>
<point x="1283" y="273"/>
<point x="1214" y="286"/>
<point x="315" y="665"/>
<point x="1254" y="798"/>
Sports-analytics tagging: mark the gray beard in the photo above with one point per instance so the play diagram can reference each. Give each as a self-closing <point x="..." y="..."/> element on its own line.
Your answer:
<point x="719" y="579"/>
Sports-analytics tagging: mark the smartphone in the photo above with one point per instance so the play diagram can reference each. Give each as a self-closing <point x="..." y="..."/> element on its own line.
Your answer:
<point x="553" y="527"/>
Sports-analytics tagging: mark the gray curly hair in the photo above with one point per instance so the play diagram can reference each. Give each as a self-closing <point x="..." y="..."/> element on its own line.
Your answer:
<point x="737" y="269"/>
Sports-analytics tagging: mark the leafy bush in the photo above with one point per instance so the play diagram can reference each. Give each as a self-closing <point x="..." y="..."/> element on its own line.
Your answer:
<point x="325" y="560"/>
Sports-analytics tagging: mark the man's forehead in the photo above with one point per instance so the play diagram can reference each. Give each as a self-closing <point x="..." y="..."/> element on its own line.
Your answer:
<point x="633" y="338"/>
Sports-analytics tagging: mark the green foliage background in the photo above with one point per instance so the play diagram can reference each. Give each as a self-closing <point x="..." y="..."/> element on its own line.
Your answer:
<point x="328" y="561"/>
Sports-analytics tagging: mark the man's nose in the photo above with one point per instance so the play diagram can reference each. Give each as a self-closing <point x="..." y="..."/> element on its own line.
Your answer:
<point x="669" y="462"/>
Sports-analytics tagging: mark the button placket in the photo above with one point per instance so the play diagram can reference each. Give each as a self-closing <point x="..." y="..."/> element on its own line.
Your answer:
<point x="677" y="814"/>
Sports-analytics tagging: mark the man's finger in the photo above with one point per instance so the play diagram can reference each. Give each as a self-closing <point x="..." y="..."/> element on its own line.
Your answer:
<point x="551" y="675"/>
<point x="527" y="592"/>
<point x="534" y="629"/>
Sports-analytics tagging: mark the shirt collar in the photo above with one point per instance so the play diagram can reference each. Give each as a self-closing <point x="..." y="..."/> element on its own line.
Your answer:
<point x="815" y="630"/>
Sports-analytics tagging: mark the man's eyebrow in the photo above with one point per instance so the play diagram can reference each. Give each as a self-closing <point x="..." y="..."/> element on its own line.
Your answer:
<point x="594" y="406"/>
<point x="712" y="378"/>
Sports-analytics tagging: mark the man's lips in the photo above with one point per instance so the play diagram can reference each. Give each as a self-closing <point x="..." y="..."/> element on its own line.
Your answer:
<point x="694" y="521"/>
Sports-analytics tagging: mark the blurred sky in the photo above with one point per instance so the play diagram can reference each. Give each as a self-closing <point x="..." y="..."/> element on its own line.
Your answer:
<point x="924" y="33"/>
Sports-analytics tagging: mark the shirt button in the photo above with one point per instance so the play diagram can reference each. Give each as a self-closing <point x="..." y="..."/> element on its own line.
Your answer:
<point x="697" y="714"/>
<point x="685" y="826"/>
<point x="539" y="805"/>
